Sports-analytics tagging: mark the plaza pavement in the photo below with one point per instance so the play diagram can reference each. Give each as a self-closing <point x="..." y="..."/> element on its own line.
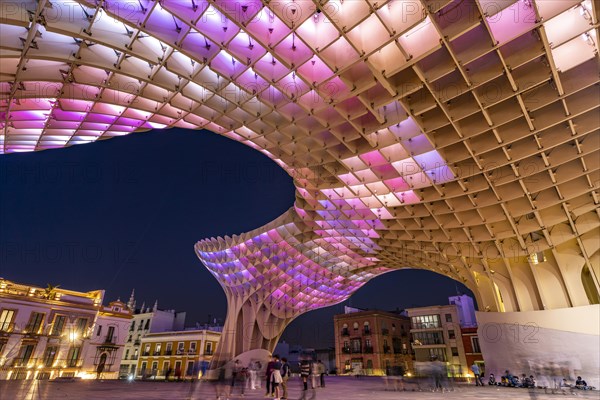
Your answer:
<point x="338" y="388"/>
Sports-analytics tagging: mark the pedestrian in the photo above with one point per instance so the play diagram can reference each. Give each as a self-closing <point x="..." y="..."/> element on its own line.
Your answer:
<point x="304" y="373"/>
<point x="268" y="376"/>
<point x="252" y="372"/>
<point x="321" y="373"/>
<point x="285" y="375"/>
<point x="477" y="373"/>
<point x="314" y="374"/>
<point x="236" y="375"/>
<point x="276" y="378"/>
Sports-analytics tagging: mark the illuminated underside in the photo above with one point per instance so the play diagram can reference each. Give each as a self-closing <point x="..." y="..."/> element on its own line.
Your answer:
<point x="457" y="136"/>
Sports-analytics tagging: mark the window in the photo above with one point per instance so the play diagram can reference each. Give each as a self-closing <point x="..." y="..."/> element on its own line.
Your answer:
<point x="369" y="364"/>
<point x="177" y="366"/>
<point x="356" y="346"/>
<point x="367" y="328"/>
<point x="368" y="343"/>
<point x="448" y="317"/>
<point x="166" y="366"/>
<point x="127" y="354"/>
<point x="6" y="318"/>
<point x="427" y="338"/>
<point x="154" y="367"/>
<point x="50" y="355"/>
<point x="146" y="350"/>
<point x="99" y="331"/>
<point x="73" y="356"/>
<point x="24" y="354"/>
<point x="440" y="354"/>
<point x="169" y="349"/>
<point x="81" y="325"/>
<point x="193" y="348"/>
<point x="190" y="368"/>
<point x="386" y="346"/>
<point x="355" y="326"/>
<point x="110" y="335"/>
<point x="58" y="325"/>
<point x="454" y="351"/>
<point x="347" y="366"/>
<point x="393" y="327"/>
<point x="475" y="343"/>
<point x="147" y="324"/>
<point x="208" y="348"/>
<point x="140" y="325"/>
<point x="132" y="327"/>
<point x="144" y="365"/>
<point x="451" y="334"/>
<point x="35" y="322"/>
<point x="157" y="349"/>
<point x="426" y="321"/>
<point x="180" y="348"/>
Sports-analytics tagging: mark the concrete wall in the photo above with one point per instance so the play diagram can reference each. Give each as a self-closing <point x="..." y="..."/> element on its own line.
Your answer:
<point x="549" y="344"/>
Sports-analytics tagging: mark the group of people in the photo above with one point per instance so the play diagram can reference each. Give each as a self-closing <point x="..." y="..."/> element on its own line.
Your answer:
<point x="511" y="380"/>
<point x="277" y="374"/>
<point x="524" y="381"/>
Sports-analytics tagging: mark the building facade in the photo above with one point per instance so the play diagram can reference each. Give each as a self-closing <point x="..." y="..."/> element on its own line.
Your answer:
<point x="472" y="348"/>
<point x="47" y="333"/>
<point x="437" y="333"/>
<point x="146" y="320"/>
<point x="372" y="343"/>
<point x="177" y="355"/>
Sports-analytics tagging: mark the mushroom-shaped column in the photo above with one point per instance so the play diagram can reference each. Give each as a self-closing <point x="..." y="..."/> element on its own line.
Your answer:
<point x="272" y="275"/>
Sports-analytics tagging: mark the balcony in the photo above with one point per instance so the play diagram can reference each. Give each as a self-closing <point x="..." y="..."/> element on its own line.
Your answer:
<point x="208" y="353"/>
<point x="145" y="354"/>
<point x="387" y="349"/>
<point x="191" y="352"/>
<point x="180" y="352"/>
<point x="156" y="353"/>
<point x="346" y="350"/>
<point x="345" y="332"/>
<point x="385" y="331"/>
<point x="137" y="342"/>
<point x="168" y="352"/>
<point x="109" y="340"/>
<point x="368" y="350"/>
<point x="367" y="331"/>
<point x="134" y="357"/>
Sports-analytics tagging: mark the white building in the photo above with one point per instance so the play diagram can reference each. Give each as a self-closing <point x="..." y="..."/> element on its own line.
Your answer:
<point x="52" y="332"/>
<point x="146" y="320"/>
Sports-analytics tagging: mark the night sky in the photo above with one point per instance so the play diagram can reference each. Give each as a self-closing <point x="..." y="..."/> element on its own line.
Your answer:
<point x="125" y="213"/>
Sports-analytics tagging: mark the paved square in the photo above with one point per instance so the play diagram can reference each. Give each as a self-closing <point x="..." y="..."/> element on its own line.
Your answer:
<point x="338" y="388"/>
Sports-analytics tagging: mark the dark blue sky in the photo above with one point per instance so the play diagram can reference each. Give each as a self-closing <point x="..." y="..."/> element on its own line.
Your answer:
<point x="125" y="213"/>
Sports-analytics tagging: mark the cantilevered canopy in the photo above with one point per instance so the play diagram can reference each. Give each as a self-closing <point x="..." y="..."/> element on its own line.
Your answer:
<point x="459" y="136"/>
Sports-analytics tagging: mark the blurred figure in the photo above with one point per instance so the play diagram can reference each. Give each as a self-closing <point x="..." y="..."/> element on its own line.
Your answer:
<point x="492" y="380"/>
<point x="477" y="373"/>
<point x="269" y="375"/>
<point x="315" y="373"/>
<point x="304" y="373"/>
<point x="321" y="373"/>
<point x="276" y="378"/>
<point x="285" y="375"/>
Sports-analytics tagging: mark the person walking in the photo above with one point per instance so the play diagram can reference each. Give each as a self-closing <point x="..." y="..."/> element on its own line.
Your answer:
<point x="477" y="373"/>
<point x="276" y="378"/>
<point x="321" y="373"/>
<point x="285" y="375"/>
<point x="268" y="375"/>
<point x="314" y="374"/>
<point x="304" y="373"/>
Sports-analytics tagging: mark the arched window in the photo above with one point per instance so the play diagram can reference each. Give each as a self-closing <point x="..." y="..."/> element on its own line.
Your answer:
<point x="367" y="328"/>
<point x="355" y="326"/>
<point x="393" y="327"/>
